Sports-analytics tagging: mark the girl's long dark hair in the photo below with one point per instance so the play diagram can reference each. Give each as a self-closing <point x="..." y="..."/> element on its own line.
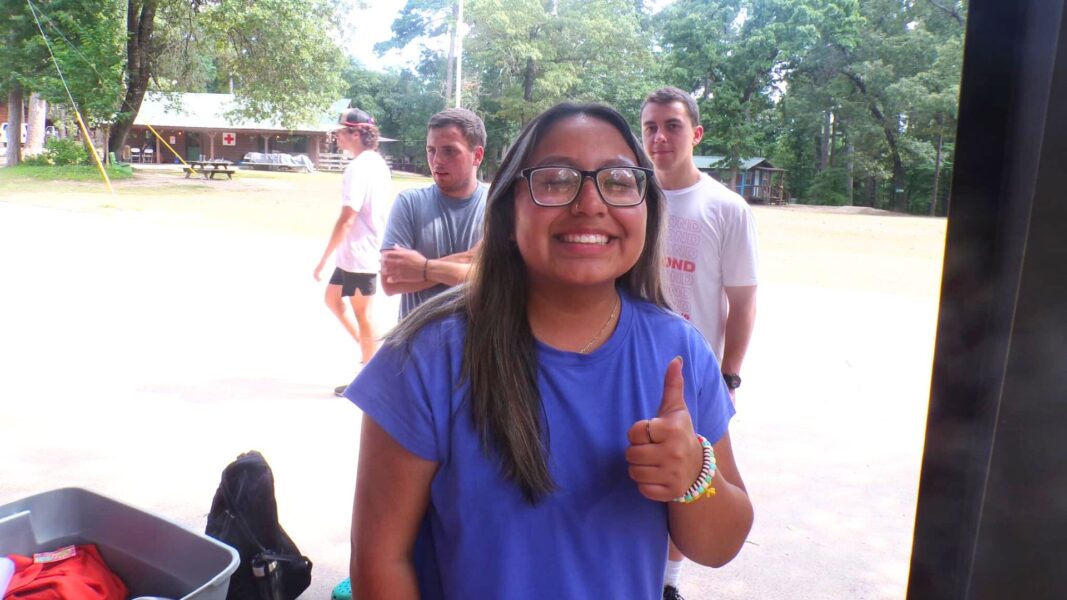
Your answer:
<point x="499" y="356"/>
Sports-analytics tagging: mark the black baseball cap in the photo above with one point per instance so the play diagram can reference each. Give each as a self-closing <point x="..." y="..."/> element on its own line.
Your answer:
<point x="354" y="117"/>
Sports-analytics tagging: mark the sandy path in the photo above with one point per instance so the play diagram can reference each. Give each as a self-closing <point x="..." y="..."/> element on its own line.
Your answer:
<point x="151" y="336"/>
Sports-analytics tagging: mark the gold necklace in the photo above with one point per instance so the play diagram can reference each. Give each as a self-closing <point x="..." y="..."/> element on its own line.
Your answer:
<point x="596" y="336"/>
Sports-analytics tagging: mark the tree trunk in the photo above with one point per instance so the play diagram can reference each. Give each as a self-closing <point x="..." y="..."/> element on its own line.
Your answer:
<point x="937" y="174"/>
<point x="528" y="80"/>
<point x="14" y="124"/>
<point x="104" y="134"/>
<point x="870" y="190"/>
<point x="900" y="199"/>
<point x="35" y="136"/>
<point x="831" y="161"/>
<point x="140" y="22"/>
<point x="850" y="168"/>
<point x="59" y="120"/>
<point x="824" y="149"/>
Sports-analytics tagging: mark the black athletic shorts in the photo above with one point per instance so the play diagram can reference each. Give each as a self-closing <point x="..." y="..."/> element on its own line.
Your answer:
<point x="366" y="283"/>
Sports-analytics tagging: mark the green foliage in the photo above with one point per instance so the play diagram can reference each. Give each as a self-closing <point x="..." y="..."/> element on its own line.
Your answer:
<point x="920" y="182"/>
<point x="87" y="173"/>
<point x="833" y="90"/>
<point x="87" y="39"/>
<point x="66" y="152"/>
<point x="530" y="54"/>
<point x="400" y="102"/>
<point x="60" y="152"/>
<point x="520" y="57"/>
<point x="280" y="54"/>
<point x="184" y="51"/>
<point x="418" y="18"/>
<point x="887" y="73"/>
<point x="828" y="188"/>
<point x="735" y="57"/>
<point x="836" y="91"/>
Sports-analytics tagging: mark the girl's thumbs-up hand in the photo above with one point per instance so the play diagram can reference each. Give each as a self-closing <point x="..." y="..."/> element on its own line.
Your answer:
<point x="664" y="454"/>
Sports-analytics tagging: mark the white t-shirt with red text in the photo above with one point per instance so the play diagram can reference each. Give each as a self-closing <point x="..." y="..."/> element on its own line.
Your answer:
<point x="711" y="244"/>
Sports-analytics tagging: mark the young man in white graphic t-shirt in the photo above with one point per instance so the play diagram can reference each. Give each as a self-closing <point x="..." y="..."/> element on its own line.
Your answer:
<point x="366" y="197"/>
<point x="710" y="266"/>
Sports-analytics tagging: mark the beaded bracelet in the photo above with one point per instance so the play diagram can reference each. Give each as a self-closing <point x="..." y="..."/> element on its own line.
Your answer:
<point x="424" y="267"/>
<point x="701" y="488"/>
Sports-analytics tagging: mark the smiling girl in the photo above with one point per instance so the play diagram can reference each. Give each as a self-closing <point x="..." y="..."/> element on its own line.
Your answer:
<point x="538" y="432"/>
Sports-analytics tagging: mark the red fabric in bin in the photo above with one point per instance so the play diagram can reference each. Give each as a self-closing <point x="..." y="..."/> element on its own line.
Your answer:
<point x="83" y="576"/>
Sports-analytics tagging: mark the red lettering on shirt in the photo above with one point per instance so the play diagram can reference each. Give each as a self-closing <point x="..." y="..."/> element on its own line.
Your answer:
<point x="682" y="265"/>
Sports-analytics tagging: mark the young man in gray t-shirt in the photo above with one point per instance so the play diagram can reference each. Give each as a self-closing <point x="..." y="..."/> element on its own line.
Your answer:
<point x="432" y="233"/>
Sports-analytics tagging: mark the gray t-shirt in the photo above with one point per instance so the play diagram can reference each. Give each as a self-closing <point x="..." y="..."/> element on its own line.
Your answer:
<point x="426" y="221"/>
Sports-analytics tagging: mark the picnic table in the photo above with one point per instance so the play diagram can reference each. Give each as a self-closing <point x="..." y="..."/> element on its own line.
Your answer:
<point x="209" y="168"/>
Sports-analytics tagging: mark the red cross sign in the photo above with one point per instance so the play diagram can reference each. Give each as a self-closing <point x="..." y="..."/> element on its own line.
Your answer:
<point x="229" y="139"/>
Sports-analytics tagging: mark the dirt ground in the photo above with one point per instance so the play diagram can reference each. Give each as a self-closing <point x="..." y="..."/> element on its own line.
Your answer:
<point x="151" y="335"/>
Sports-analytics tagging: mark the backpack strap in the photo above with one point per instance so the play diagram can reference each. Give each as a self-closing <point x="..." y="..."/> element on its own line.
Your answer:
<point x="238" y="518"/>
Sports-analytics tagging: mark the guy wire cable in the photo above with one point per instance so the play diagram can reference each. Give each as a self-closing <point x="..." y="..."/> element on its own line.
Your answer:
<point x="77" y="113"/>
<point x="55" y="27"/>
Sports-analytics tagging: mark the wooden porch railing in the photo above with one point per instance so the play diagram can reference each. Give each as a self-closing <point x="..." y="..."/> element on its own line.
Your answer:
<point x="332" y="162"/>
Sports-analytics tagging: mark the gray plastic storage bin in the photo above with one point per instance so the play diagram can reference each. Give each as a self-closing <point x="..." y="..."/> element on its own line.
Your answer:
<point x="152" y="555"/>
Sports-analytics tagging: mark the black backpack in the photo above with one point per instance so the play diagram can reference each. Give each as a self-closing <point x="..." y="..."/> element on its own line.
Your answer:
<point x="244" y="514"/>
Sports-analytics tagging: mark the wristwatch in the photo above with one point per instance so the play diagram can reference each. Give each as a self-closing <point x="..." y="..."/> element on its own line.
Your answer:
<point x="733" y="380"/>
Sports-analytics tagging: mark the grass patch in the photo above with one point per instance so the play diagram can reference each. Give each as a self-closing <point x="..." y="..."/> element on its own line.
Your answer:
<point x="75" y="173"/>
<point x="250" y="197"/>
<point x="406" y="176"/>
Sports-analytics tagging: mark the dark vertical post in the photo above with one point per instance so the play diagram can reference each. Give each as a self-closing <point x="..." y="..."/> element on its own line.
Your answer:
<point x="14" y="125"/>
<point x="992" y="514"/>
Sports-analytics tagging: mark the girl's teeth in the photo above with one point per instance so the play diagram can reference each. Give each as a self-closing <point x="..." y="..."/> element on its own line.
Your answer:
<point x="586" y="239"/>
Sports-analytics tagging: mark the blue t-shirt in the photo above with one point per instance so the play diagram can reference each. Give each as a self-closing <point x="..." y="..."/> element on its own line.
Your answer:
<point x="596" y="536"/>
<point x="426" y="221"/>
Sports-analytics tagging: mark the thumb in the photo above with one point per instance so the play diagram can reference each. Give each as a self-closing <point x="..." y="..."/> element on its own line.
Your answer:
<point x="673" y="390"/>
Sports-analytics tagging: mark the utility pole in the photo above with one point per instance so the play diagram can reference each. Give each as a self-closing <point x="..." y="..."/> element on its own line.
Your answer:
<point x="459" y="55"/>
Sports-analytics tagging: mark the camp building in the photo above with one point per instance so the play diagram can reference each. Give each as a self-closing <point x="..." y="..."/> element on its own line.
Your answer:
<point x="198" y="127"/>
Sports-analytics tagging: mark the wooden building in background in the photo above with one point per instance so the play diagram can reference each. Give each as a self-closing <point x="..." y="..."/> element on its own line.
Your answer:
<point x="757" y="180"/>
<point x="197" y="127"/>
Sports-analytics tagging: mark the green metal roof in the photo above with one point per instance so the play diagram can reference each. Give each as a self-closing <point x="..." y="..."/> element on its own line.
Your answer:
<point x="714" y="161"/>
<point x="208" y="111"/>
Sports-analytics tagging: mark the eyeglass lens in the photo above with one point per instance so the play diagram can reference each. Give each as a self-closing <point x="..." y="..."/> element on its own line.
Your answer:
<point x="618" y="186"/>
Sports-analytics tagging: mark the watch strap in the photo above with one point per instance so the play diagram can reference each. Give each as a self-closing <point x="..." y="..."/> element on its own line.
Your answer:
<point x="733" y="380"/>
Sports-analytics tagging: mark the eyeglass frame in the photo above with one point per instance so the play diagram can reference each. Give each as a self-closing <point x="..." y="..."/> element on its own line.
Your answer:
<point x="528" y="171"/>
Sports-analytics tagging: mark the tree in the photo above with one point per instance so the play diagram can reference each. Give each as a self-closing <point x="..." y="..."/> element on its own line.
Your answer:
<point x="14" y="52"/>
<point x="529" y="56"/>
<point x="895" y="70"/>
<point x="281" y="54"/>
<point x="856" y="99"/>
<point x="532" y="55"/>
<point x="400" y="101"/>
<point x="522" y="56"/>
<point x="427" y="19"/>
<point x="879" y="89"/>
<point x="86" y="41"/>
<point x="736" y="56"/>
<point x="933" y="96"/>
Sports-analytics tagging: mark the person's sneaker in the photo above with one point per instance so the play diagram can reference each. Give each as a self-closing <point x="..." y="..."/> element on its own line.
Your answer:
<point x="340" y="390"/>
<point x="671" y="593"/>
